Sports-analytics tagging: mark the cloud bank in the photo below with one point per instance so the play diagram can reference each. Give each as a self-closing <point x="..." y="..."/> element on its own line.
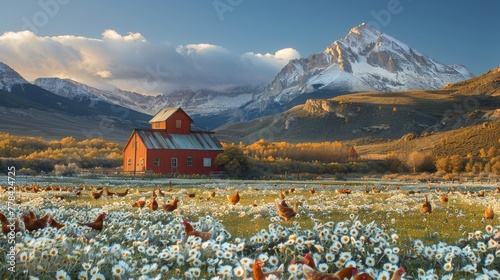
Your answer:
<point x="131" y="62"/>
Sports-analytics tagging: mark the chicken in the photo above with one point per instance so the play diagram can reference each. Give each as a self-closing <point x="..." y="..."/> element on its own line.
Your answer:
<point x="160" y="193"/>
<point x="8" y="227"/>
<point x="122" y="194"/>
<point x="191" y="195"/>
<point x="139" y="204"/>
<point x="281" y="195"/>
<point x="345" y="273"/>
<point x="310" y="261"/>
<point x="312" y="191"/>
<point x="97" y="224"/>
<point x="212" y="194"/>
<point x="443" y="199"/>
<point x="190" y="231"/>
<point x="426" y="206"/>
<point x="398" y="273"/>
<point x="32" y="224"/>
<point x="108" y="193"/>
<point x="259" y="274"/>
<point x="313" y="274"/>
<point x="488" y="213"/>
<point x="153" y="205"/>
<point x="153" y="193"/>
<point x="234" y="198"/>
<point x="363" y="276"/>
<point x="96" y="195"/>
<point x="55" y="224"/>
<point x="287" y="212"/>
<point x="169" y="207"/>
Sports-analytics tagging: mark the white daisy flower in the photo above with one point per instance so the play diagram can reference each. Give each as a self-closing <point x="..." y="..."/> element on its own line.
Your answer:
<point x="98" y="276"/>
<point x="448" y="266"/>
<point x="83" y="275"/>
<point x="117" y="270"/>
<point x="238" y="271"/>
<point x="62" y="275"/>
<point x="322" y="267"/>
<point x="86" y="266"/>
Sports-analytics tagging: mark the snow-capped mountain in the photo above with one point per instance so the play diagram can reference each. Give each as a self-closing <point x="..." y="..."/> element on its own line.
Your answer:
<point x="197" y="103"/>
<point x="9" y="77"/>
<point x="365" y="60"/>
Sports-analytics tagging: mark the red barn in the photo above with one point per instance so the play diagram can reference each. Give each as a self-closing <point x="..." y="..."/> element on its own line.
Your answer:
<point x="171" y="147"/>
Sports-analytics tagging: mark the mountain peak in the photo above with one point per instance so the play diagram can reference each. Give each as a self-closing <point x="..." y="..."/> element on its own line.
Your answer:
<point x="364" y="29"/>
<point x="9" y="77"/>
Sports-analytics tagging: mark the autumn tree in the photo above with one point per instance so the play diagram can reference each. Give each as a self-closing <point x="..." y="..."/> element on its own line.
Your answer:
<point x="415" y="160"/>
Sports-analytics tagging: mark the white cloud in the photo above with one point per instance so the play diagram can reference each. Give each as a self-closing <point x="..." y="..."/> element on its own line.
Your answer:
<point x="131" y="62"/>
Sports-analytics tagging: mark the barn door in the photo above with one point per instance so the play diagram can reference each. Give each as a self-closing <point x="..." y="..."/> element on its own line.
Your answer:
<point x="173" y="162"/>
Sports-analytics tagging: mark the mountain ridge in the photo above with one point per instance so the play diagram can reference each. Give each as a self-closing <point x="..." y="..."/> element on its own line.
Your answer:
<point x="364" y="60"/>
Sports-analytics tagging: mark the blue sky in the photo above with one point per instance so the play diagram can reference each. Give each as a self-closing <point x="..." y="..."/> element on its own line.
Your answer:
<point x="462" y="32"/>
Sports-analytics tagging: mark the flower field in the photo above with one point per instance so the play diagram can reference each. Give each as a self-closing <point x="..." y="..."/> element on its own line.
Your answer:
<point x="375" y="231"/>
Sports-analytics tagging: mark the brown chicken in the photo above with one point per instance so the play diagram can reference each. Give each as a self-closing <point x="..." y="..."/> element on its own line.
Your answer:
<point x="312" y="191"/>
<point x="32" y="224"/>
<point x="363" y="276"/>
<point x="122" y="194"/>
<point x="234" y="198"/>
<point x="139" y="204"/>
<point x="287" y="212"/>
<point x="398" y="273"/>
<point x="108" y="193"/>
<point x="8" y="227"/>
<point x="259" y="274"/>
<point x="153" y="205"/>
<point x="212" y="194"/>
<point x="97" y="224"/>
<point x="160" y="192"/>
<point x="169" y="207"/>
<point x="443" y="199"/>
<point x="190" y="231"/>
<point x="426" y="206"/>
<point x="345" y="273"/>
<point x="313" y="274"/>
<point x="96" y="195"/>
<point x="488" y="213"/>
<point x="55" y="224"/>
<point x="308" y="259"/>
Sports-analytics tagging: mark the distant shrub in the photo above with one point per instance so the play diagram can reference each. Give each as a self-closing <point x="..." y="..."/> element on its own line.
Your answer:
<point x="66" y="170"/>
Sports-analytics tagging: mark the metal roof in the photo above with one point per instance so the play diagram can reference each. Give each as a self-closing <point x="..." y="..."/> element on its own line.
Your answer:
<point x="160" y="139"/>
<point x="165" y="114"/>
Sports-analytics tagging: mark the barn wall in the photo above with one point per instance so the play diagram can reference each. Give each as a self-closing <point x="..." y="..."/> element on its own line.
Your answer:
<point x="185" y="123"/>
<point x="197" y="156"/>
<point x="137" y="156"/>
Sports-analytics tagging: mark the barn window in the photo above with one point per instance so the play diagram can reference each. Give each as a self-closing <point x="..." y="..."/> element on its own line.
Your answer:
<point x="141" y="161"/>
<point x="178" y="123"/>
<point x="157" y="125"/>
<point x="207" y="162"/>
<point x="129" y="161"/>
<point x="174" y="162"/>
<point x="133" y="145"/>
<point x="156" y="161"/>
<point x="189" y="161"/>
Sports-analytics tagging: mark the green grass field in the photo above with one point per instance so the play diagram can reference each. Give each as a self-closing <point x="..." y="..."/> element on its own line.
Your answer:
<point x="391" y="219"/>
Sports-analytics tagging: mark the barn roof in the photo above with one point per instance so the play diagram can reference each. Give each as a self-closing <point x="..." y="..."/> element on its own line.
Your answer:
<point x="164" y="114"/>
<point x="160" y="139"/>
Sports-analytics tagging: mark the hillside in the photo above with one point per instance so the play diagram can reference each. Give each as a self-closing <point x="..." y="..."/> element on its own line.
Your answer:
<point x="381" y="117"/>
<point x="459" y="141"/>
<point x="29" y="110"/>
